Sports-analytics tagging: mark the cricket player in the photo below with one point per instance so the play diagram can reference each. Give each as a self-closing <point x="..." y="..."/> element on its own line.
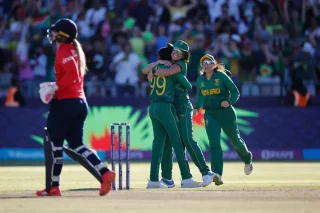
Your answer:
<point x="180" y="57"/>
<point x="165" y="121"/>
<point x="68" y="111"/>
<point x="216" y="93"/>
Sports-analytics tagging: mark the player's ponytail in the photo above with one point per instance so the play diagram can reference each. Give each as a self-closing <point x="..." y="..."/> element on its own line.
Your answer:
<point x="220" y="67"/>
<point x="81" y="57"/>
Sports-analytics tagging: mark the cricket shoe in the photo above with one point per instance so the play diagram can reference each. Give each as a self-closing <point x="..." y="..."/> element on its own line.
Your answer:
<point x="207" y="179"/>
<point x="107" y="180"/>
<point x="169" y="183"/>
<point x="54" y="191"/>
<point x="190" y="183"/>
<point x="248" y="168"/>
<point x="218" y="180"/>
<point x="156" y="185"/>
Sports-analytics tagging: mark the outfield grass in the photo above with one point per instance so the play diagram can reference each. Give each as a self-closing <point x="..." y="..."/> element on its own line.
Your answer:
<point x="272" y="187"/>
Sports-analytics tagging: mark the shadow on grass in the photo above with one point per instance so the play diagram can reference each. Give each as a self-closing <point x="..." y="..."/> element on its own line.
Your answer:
<point x="6" y="163"/>
<point x="33" y="196"/>
<point x="18" y="197"/>
<point x="82" y="189"/>
<point x="29" y="163"/>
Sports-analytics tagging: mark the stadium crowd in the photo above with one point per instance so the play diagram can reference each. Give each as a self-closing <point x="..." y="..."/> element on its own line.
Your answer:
<point x="271" y="46"/>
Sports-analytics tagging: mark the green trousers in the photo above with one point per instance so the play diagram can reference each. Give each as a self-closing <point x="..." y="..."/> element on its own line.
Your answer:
<point x="227" y="120"/>
<point x="165" y="125"/>
<point x="186" y="131"/>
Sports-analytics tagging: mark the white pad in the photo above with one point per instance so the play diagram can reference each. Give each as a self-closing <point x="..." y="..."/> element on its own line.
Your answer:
<point x="82" y="158"/>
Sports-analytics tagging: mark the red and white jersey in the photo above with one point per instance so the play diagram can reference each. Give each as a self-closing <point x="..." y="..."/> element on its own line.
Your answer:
<point x="68" y="77"/>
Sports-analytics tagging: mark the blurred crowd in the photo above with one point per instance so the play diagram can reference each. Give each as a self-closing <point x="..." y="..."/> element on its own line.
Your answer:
<point x="270" y="46"/>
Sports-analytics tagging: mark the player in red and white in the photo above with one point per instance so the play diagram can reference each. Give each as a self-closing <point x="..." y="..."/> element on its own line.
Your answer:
<point x="68" y="111"/>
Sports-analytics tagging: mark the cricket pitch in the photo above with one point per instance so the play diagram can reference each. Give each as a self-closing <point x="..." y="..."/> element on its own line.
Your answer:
<point x="272" y="187"/>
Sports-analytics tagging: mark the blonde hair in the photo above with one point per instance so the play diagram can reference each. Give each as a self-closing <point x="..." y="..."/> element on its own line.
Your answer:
<point x="219" y="67"/>
<point x="81" y="57"/>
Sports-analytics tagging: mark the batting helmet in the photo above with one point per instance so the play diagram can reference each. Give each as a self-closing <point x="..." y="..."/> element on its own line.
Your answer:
<point x="66" y="28"/>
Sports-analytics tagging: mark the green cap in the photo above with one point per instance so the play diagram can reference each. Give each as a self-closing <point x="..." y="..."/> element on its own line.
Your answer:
<point x="183" y="46"/>
<point x="208" y="57"/>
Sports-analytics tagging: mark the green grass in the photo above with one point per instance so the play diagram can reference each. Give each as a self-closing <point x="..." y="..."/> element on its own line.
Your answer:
<point x="272" y="187"/>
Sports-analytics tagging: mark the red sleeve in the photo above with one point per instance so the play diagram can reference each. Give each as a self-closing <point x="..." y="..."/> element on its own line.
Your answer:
<point x="69" y="67"/>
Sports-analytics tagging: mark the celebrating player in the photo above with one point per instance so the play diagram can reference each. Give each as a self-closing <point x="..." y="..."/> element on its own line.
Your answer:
<point x="216" y="93"/>
<point x="165" y="122"/>
<point x="68" y="111"/>
<point x="183" y="106"/>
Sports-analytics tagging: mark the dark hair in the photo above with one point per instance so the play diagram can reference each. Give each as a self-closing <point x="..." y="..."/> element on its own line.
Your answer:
<point x="165" y="53"/>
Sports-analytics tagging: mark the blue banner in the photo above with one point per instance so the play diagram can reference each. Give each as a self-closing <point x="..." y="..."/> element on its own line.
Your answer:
<point x="286" y="133"/>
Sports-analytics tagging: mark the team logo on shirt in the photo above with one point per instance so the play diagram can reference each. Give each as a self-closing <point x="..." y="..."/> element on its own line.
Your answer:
<point x="202" y="85"/>
<point x="70" y="58"/>
<point x="210" y="92"/>
<point x="216" y="81"/>
<point x="65" y="60"/>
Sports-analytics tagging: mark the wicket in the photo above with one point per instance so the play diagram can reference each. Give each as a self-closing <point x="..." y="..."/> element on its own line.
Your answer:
<point x="120" y="155"/>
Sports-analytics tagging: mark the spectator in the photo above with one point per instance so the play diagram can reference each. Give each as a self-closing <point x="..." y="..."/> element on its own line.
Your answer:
<point x="162" y="38"/>
<point x="25" y="74"/>
<point x="225" y="23"/>
<point x="126" y="65"/>
<point x="196" y="52"/>
<point x="248" y="36"/>
<point x="136" y="41"/>
<point x="4" y="34"/>
<point x="94" y="16"/>
<point x="14" y="95"/>
<point x="39" y="63"/>
<point x="299" y="95"/>
<point x="142" y="13"/>
<point x="177" y="7"/>
<point x="247" y="63"/>
<point x="85" y="32"/>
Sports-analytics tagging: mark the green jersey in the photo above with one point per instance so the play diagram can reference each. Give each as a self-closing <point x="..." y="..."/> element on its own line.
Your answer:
<point x="211" y="92"/>
<point x="163" y="88"/>
<point x="181" y="98"/>
<point x="181" y="91"/>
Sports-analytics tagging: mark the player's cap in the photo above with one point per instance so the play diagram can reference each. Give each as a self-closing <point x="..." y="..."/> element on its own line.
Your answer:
<point x="207" y="57"/>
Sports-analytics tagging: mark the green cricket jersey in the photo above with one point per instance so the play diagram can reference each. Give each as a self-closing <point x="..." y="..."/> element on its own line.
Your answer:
<point x="211" y="92"/>
<point x="181" y="91"/>
<point x="181" y="99"/>
<point x="164" y="88"/>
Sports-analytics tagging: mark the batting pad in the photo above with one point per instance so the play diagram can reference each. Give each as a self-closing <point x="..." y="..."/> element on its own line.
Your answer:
<point x="81" y="155"/>
<point x="53" y="158"/>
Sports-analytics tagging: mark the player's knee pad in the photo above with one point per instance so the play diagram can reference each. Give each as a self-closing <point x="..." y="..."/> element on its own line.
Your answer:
<point x="87" y="158"/>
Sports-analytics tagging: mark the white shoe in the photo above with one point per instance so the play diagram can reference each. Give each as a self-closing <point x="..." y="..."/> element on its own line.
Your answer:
<point x="207" y="179"/>
<point x="156" y="185"/>
<point x="190" y="183"/>
<point x="248" y="168"/>
<point x="218" y="180"/>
